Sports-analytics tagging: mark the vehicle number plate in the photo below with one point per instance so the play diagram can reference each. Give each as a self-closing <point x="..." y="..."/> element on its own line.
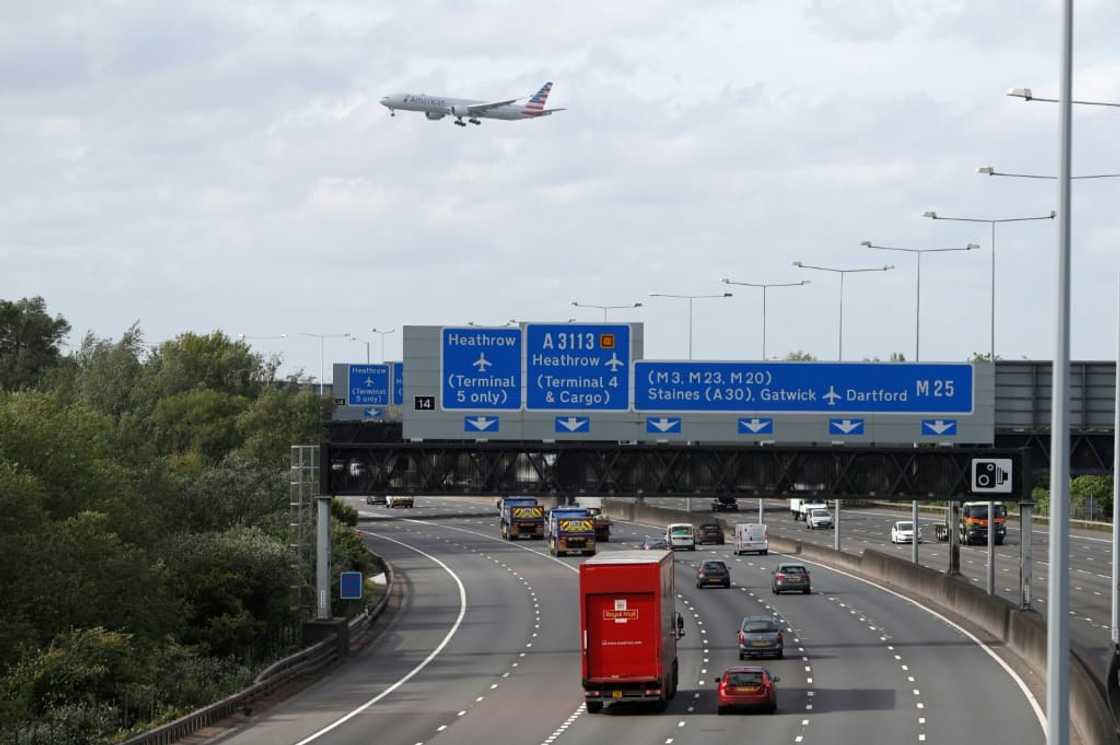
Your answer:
<point x="616" y="694"/>
<point x="761" y="643"/>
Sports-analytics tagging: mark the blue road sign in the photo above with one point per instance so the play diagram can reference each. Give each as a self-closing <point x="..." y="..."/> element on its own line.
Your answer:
<point x="572" y="367"/>
<point x="939" y="427"/>
<point x="350" y="585"/>
<point x="804" y="387"/>
<point x="398" y="383"/>
<point x="368" y="385"/>
<point x="481" y="424"/>
<point x="371" y="412"/>
<point x="845" y="426"/>
<point x="567" y="424"/>
<point x="480" y="368"/>
<point x="756" y="426"/>
<point x="663" y="425"/>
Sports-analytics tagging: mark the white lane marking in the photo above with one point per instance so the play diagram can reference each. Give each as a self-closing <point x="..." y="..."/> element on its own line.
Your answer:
<point x="988" y="650"/>
<point x="423" y="663"/>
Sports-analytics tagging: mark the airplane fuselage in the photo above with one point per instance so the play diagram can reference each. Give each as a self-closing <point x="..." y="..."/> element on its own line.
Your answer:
<point x="440" y="106"/>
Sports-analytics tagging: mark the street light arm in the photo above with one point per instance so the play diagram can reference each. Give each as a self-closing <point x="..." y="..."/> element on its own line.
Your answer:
<point x="969" y="247"/>
<point x="766" y="284"/>
<point x="1027" y="95"/>
<point x="991" y="171"/>
<point x="885" y="268"/>
<point x="935" y="216"/>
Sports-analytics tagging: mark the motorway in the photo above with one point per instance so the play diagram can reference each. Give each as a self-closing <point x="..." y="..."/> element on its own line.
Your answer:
<point x="1090" y="559"/>
<point x="484" y="649"/>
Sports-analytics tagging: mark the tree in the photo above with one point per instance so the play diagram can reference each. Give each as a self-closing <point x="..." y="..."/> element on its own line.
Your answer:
<point x="983" y="357"/>
<point x="29" y="342"/>
<point x="801" y="356"/>
<point x="1092" y="496"/>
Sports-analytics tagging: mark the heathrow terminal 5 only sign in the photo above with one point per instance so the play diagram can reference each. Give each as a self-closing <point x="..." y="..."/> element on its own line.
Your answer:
<point x="584" y="367"/>
<point x="480" y="369"/>
<point x="805" y="388"/>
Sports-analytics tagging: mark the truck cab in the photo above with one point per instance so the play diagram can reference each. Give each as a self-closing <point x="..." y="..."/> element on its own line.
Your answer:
<point x="521" y="517"/>
<point x="974" y="522"/>
<point x="570" y="530"/>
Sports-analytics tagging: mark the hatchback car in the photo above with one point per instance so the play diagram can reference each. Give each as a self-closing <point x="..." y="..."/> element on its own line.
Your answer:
<point x="903" y="532"/>
<point x="376" y="499"/>
<point x="818" y="519"/>
<point x="790" y="578"/>
<point x="760" y="635"/>
<point x="713" y="573"/>
<point x="741" y="687"/>
<point x="709" y="532"/>
<point x="654" y="543"/>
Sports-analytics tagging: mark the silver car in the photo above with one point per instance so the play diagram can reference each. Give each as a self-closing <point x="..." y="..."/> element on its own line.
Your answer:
<point x="790" y="577"/>
<point x="760" y="635"/>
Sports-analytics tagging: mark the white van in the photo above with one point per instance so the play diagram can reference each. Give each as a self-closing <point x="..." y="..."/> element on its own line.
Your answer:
<point x="751" y="537"/>
<point x="681" y="535"/>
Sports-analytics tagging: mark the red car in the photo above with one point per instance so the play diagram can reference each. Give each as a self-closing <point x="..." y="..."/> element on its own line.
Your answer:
<point x="747" y="686"/>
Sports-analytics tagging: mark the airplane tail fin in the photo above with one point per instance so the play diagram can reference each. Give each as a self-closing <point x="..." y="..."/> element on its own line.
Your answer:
<point x="535" y="106"/>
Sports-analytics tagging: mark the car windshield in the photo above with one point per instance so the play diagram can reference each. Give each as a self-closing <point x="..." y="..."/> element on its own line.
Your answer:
<point x="710" y="527"/>
<point x="744" y="679"/>
<point x="759" y="627"/>
<point x="820" y="513"/>
<point x="981" y="511"/>
<point x="905" y="526"/>
<point x="793" y="569"/>
<point x="717" y="566"/>
<point x="682" y="531"/>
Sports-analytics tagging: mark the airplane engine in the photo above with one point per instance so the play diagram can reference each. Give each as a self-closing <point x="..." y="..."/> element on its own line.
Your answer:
<point x="432" y="115"/>
<point x="460" y="111"/>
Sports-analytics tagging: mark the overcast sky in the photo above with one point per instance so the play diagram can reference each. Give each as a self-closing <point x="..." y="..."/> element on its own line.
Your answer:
<point x="227" y="165"/>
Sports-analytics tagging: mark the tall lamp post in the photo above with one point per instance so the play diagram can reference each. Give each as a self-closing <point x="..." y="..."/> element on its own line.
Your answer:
<point x="841" y="272"/>
<point x="993" y="222"/>
<point x="918" y="300"/>
<point x="690" y="299"/>
<point x="765" y="286"/>
<point x="322" y="353"/>
<point x="605" y="308"/>
<point x="382" y="334"/>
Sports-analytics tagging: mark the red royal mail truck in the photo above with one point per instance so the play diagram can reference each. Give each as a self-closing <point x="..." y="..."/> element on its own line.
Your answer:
<point x="629" y="628"/>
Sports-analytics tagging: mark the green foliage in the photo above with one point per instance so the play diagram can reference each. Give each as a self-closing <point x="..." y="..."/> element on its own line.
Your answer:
<point x="276" y="420"/>
<point x="1041" y="497"/>
<point x="344" y="513"/>
<point x="1092" y="490"/>
<point x="236" y="586"/>
<point x="800" y="356"/>
<point x="29" y="342"/>
<point x="237" y="492"/>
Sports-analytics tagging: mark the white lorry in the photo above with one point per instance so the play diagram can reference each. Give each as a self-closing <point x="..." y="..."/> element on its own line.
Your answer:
<point x="751" y="537"/>
<point x="803" y="507"/>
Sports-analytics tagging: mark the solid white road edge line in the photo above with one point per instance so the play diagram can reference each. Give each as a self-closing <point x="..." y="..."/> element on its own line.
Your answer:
<point x="512" y="544"/>
<point x="423" y="664"/>
<point x="999" y="660"/>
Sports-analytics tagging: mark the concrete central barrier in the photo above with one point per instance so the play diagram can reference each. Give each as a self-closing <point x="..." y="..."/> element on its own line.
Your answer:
<point x="1022" y="632"/>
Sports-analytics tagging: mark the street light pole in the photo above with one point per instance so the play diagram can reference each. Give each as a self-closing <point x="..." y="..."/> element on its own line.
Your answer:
<point x="382" y="334"/>
<point x="604" y="308"/>
<point x="690" y="299"/>
<point x="765" y="286"/>
<point x="918" y="304"/>
<point x="323" y="353"/>
<point x="842" y="272"/>
<point x="1057" y="638"/>
<point x="992" y="222"/>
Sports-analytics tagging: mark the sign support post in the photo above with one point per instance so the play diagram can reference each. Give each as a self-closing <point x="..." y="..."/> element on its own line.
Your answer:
<point x="323" y="559"/>
<point x="917" y="533"/>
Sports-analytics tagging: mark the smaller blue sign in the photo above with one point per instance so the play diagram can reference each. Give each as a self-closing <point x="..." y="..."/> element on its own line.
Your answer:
<point x="568" y="424"/>
<point x="939" y="427"/>
<point x="845" y="426"/>
<point x="663" y="425"/>
<point x="350" y="585"/>
<point x="371" y="413"/>
<point x="756" y="425"/>
<point x="398" y="383"/>
<point x="480" y="369"/>
<point x="368" y="385"/>
<point x="481" y="424"/>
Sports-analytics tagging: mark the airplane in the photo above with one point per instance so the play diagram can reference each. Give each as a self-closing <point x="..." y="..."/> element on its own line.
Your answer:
<point x="437" y="107"/>
<point x="831" y="396"/>
<point x="482" y="363"/>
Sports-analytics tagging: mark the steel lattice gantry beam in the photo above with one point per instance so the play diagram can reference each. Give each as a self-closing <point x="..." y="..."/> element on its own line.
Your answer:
<point x="605" y="469"/>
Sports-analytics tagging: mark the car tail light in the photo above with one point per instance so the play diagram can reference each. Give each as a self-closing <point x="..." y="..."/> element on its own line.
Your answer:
<point x="652" y="691"/>
<point x="742" y="637"/>
<point x="779" y="576"/>
<point x="779" y="637"/>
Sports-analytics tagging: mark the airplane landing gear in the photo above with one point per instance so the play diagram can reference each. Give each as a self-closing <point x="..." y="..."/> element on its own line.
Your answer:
<point x="392" y="112"/>
<point x="460" y="123"/>
<point x="474" y="121"/>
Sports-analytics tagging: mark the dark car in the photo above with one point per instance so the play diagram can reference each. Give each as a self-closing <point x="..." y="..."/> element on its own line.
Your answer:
<point x="654" y="543"/>
<point x="713" y="573"/>
<point x="790" y="578"/>
<point x="709" y="532"/>
<point x="746" y="686"/>
<point x="759" y="635"/>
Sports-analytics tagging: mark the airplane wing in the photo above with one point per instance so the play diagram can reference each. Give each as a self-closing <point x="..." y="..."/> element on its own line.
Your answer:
<point x="549" y="111"/>
<point x="481" y="108"/>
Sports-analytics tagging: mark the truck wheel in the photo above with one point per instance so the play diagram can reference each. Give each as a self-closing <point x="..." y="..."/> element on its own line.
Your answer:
<point x="721" y="710"/>
<point x="765" y="552"/>
<point x="594" y="707"/>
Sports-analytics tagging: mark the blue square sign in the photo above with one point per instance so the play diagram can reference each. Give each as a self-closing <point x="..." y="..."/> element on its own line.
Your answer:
<point x="577" y="367"/>
<point x="480" y="369"/>
<point x="350" y="585"/>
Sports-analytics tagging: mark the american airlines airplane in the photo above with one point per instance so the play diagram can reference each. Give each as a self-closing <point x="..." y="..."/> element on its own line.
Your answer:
<point x="436" y="107"/>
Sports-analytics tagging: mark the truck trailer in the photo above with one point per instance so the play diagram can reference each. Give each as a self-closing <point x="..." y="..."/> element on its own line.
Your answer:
<point x="629" y="628"/>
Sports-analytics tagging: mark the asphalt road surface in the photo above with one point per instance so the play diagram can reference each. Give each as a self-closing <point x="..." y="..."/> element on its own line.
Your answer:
<point x="485" y="650"/>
